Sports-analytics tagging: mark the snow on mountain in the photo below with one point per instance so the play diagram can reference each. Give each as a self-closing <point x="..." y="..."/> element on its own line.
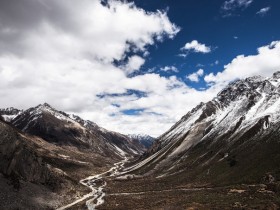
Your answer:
<point x="242" y="117"/>
<point x="243" y="100"/>
<point x="10" y="113"/>
<point x="143" y="139"/>
<point x="67" y="129"/>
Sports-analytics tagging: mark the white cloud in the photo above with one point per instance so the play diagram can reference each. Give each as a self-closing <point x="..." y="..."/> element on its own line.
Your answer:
<point x="134" y="63"/>
<point x="196" y="47"/>
<point x="264" y="63"/>
<point x="235" y="37"/>
<point x="64" y="52"/>
<point x="215" y="63"/>
<point x="199" y="65"/>
<point x="231" y="5"/>
<point x="194" y="77"/>
<point x="183" y="55"/>
<point x="169" y="69"/>
<point x="161" y="108"/>
<point x="169" y="98"/>
<point x="263" y="11"/>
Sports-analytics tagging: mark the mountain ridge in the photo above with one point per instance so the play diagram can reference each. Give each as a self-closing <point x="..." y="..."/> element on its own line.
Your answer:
<point x="68" y="129"/>
<point x="245" y="109"/>
<point x="144" y="139"/>
<point x="223" y="154"/>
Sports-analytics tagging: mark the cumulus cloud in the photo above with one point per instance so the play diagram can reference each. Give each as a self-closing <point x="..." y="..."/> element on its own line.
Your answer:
<point x="169" y="69"/>
<point x="196" y="47"/>
<point x="263" y="11"/>
<point x="171" y="101"/>
<point x="134" y="63"/>
<point x="194" y="77"/>
<point x="264" y="63"/>
<point x="65" y="53"/>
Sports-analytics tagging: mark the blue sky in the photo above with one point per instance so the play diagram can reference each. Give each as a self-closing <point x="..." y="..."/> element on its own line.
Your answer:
<point x="240" y="33"/>
<point x="132" y="66"/>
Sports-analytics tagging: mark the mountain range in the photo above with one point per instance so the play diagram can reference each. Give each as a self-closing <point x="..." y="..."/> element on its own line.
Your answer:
<point x="144" y="139"/>
<point x="44" y="150"/>
<point x="223" y="154"/>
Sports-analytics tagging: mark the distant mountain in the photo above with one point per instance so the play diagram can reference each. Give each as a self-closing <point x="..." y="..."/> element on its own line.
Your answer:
<point x="10" y="113"/>
<point x="143" y="139"/>
<point x="64" y="129"/>
<point x="234" y="138"/>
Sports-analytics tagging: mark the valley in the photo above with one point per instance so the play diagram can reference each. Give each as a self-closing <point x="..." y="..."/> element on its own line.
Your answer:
<point x="223" y="154"/>
<point x="139" y="105"/>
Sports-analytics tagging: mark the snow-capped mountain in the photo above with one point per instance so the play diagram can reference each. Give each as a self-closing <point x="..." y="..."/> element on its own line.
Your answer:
<point x="67" y="129"/>
<point x="143" y="139"/>
<point x="235" y="136"/>
<point x="10" y="113"/>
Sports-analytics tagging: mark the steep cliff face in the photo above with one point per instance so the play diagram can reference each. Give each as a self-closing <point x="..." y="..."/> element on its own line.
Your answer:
<point x="19" y="158"/>
<point x="234" y="137"/>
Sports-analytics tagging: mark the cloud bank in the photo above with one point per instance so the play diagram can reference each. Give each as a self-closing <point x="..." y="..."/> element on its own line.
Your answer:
<point x="264" y="63"/>
<point x="65" y="53"/>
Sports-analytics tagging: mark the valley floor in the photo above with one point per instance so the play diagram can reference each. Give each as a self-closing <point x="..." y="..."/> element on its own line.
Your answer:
<point x="145" y="194"/>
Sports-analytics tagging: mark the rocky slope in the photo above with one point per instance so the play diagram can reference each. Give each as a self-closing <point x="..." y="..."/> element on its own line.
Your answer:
<point x="235" y="138"/>
<point x="36" y="174"/>
<point x="45" y="152"/>
<point x="18" y="157"/>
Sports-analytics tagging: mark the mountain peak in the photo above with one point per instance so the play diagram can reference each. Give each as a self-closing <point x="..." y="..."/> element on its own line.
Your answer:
<point x="276" y="75"/>
<point x="44" y="106"/>
<point x="240" y="125"/>
<point x="257" y="78"/>
<point x="143" y="139"/>
<point x="249" y="87"/>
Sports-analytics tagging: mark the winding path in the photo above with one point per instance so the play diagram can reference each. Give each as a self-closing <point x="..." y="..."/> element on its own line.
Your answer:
<point x="96" y="183"/>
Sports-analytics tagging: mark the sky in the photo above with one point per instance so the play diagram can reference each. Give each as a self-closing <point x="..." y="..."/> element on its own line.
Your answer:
<point x="134" y="67"/>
